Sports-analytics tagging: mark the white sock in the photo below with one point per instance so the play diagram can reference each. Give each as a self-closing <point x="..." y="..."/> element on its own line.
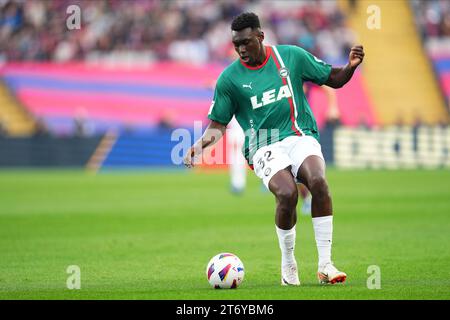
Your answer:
<point x="323" y="230"/>
<point x="286" y="239"/>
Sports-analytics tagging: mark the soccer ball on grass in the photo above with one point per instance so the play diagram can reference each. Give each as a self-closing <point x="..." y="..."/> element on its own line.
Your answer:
<point x="225" y="271"/>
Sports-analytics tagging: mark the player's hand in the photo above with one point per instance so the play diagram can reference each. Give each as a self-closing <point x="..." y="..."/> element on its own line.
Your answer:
<point x="189" y="157"/>
<point x="356" y="56"/>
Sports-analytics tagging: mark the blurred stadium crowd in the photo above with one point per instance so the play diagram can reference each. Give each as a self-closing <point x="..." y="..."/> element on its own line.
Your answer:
<point x="433" y="18"/>
<point x="188" y="30"/>
<point x="433" y="22"/>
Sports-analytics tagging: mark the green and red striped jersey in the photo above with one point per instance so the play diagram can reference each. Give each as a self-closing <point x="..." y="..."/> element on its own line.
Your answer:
<point x="268" y="100"/>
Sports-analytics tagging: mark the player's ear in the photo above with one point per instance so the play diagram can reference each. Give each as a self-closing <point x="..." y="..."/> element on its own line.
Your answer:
<point x="261" y="36"/>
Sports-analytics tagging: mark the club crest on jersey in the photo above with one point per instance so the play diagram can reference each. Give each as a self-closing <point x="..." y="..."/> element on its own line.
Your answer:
<point x="270" y="96"/>
<point x="284" y="72"/>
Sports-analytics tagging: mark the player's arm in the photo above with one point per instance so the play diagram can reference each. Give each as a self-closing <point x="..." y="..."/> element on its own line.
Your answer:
<point x="212" y="134"/>
<point x="340" y="76"/>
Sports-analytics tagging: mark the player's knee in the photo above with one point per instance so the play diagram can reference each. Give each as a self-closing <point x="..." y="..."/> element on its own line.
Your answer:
<point x="319" y="187"/>
<point x="287" y="196"/>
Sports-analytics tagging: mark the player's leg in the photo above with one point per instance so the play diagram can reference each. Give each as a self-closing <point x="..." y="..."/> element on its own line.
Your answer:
<point x="312" y="174"/>
<point x="283" y="186"/>
<point x="273" y="166"/>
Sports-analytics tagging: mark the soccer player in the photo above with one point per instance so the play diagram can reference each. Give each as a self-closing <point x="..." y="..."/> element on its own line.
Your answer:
<point x="263" y="90"/>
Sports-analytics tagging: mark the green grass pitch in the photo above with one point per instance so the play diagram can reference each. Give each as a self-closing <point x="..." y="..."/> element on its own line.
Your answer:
<point x="149" y="235"/>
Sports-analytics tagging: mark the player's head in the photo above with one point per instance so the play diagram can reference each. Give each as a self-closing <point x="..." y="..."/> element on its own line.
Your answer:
<point x="247" y="37"/>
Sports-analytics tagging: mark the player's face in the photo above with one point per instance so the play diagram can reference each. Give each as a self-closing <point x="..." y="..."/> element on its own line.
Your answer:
<point x="248" y="44"/>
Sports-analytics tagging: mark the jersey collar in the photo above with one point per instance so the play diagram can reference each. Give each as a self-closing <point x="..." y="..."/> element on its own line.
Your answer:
<point x="268" y="54"/>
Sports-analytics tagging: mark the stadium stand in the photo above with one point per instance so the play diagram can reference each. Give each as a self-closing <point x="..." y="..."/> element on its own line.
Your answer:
<point x="99" y="82"/>
<point x="433" y="23"/>
<point x="136" y="66"/>
<point x="161" y="30"/>
<point x="137" y="149"/>
<point x="14" y="119"/>
<point x="442" y="67"/>
<point x="140" y="98"/>
<point x="399" y="76"/>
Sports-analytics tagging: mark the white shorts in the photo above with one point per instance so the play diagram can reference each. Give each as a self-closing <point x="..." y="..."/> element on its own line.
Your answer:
<point x="291" y="151"/>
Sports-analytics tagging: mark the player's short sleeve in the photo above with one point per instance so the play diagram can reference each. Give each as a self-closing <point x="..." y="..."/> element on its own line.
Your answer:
<point x="222" y="107"/>
<point x="311" y="68"/>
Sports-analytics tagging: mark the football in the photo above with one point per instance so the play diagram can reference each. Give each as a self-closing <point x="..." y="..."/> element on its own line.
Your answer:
<point x="225" y="271"/>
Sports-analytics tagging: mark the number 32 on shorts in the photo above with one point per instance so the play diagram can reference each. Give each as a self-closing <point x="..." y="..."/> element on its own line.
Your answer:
<point x="264" y="160"/>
